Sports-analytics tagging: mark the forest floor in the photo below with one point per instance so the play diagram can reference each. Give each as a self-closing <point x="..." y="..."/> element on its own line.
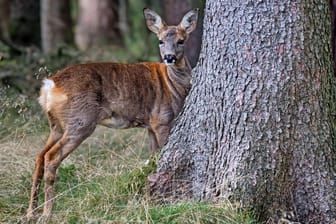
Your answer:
<point x="103" y="181"/>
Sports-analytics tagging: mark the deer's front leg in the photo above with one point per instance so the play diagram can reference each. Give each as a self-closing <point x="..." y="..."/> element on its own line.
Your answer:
<point x="153" y="141"/>
<point x="161" y="133"/>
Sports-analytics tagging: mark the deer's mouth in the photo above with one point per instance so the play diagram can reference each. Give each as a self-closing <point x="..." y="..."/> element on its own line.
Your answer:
<point x="169" y="63"/>
<point x="169" y="59"/>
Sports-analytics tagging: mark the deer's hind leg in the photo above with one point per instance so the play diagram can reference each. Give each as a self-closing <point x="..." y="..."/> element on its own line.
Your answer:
<point x="75" y="132"/>
<point x="55" y="134"/>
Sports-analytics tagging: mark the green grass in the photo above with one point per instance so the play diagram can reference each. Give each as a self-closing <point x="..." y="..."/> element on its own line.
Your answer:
<point x="89" y="194"/>
<point x="115" y="198"/>
<point x="107" y="189"/>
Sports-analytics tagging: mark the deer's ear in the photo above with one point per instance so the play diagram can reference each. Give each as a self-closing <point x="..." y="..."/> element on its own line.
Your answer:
<point x="189" y="21"/>
<point x="153" y="21"/>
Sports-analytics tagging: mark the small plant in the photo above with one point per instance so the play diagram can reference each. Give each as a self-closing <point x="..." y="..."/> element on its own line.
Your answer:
<point x="17" y="112"/>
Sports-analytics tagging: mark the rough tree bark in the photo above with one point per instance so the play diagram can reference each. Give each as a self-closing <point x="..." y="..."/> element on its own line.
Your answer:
<point x="258" y="126"/>
<point x="98" y="23"/>
<point x="55" y="24"/>
<point x="333" y="23"/>
<point x="173" y="12"/>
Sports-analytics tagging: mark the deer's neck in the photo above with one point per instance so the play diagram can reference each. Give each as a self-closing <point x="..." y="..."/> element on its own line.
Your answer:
<point x="179" y="76"/>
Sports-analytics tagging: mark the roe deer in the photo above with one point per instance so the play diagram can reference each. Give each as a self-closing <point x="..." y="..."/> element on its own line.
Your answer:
<point x="148" y="95"/>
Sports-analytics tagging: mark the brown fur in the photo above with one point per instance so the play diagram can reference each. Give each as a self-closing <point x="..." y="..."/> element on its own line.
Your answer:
<point x="117" y="95"/>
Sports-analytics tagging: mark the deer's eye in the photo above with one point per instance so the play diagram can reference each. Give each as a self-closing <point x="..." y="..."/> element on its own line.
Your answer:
<point x="180" y="42"/>
<point x="160" y="42"/>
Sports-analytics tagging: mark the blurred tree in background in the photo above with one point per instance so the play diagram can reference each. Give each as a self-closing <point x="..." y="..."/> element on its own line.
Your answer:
<point x="56" y="25"/>
<point x="98" y="24"/>
<point x="4" y="22"/>
<point x="25" y="22"/>
<point x="22" y="18"/>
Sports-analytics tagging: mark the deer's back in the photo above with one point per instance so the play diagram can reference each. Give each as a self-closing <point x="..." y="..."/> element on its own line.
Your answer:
<point x="128" y="91"/>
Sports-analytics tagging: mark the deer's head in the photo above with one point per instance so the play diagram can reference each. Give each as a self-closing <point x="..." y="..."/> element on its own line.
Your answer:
<point x="171" y="38"/>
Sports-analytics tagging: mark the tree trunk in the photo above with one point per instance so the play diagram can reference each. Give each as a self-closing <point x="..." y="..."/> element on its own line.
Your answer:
<point x="173" y="13"/>
<point x="333" y="25"/>
<point x="24" y="25"/>
<point x="98" y="23"/>
<point x="4" y="19"/>
<point x="258" y="126"/>
<point x="4" y="27"/>
<point x="55" y="24"/>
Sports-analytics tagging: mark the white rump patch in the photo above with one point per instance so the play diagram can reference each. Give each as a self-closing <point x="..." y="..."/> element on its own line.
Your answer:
<point x="45" y="97"/>
<point x="48" y="84"/>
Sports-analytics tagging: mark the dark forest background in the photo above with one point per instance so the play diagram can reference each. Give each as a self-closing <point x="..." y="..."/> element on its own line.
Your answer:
<point x="46" y="35"/>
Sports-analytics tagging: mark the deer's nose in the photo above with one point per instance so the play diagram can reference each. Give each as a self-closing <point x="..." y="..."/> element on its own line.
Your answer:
<point x="169" y="59"/>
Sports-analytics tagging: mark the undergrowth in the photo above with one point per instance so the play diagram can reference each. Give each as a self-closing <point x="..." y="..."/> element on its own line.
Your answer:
<point x="17" y="113"/>
<point x="103" y="194"/>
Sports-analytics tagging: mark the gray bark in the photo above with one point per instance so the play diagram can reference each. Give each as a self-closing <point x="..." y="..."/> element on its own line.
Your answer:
<point x="258" y="126"/>
<point x="333" y="25"/>
<point x="55" y="24"/>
